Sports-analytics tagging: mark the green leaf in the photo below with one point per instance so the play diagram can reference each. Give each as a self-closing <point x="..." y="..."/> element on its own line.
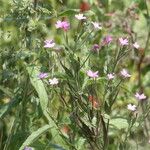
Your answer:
<point x="34" y="136"/>
<point x="39" y="86"/>
<point x="45" y="11"/>
<point x="3" y="109"/>
<point x="80" y="143"/>
<point x="6" y="91"/>
<point x="67" y="71"/>
<point x="75" y="64"/>
<point x="119" y="123"/>
<point x="40" y="89"/>
<point x="68" y="12"/>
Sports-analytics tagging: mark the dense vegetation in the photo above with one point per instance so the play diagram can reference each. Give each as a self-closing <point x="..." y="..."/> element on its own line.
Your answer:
<point x="74" y="75"/>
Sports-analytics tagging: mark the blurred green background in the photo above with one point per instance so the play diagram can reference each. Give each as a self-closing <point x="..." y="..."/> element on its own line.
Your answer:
<point x="25" y="24"/>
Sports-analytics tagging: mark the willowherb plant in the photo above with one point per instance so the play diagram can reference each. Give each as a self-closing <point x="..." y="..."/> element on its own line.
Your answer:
<point x="71" y="84"/>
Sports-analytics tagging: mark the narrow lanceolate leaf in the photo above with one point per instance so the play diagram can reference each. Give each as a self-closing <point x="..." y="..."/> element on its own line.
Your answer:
<point x="3" y="110"/>
<point x="34" y="136"/>
<point x="39" y="86"/>
<point x="69" y="12"/>
<point x="42" y="94"/>
<point x="40" y="89"/>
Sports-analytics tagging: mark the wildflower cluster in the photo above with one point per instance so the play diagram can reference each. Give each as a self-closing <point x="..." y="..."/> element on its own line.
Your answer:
<point x="77" y="76"/>
<point x="73" y="74"/>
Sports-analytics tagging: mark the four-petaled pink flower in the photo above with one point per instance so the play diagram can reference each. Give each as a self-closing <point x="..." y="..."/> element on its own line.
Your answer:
<point x="62" y="25"/>
<point x="80" y="17"/>
<point x="140" y="96"/>
<point x="131" y="107"/>
<point x="97" y="25"/>
<point x="136" y="45"/>
<point x="49" y="43"/>
<point x="92" y="74"/>
<point x="125" y="73"/>
<point x="53" y="81"/>
<point x="107" y="40"/>
<point x="110" y="76"/>
<point x="123" y="42"/>
<point x="42" y="75"/>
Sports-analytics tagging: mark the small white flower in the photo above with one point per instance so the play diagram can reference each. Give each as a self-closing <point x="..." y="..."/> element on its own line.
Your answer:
<point x="53" y="81"/>
<point x="140" y="96"/>
<point x="136" y="45"/>
<point x="97" y="25"/>
<point x="110" y="76"/>
<point x="92" y="74"/>
<point x="131" y="107"/>
<point x="125" y="73"/>
<point x="80" y="17"/>
<point x="49" y="43"/>
<point x="123" y="42"/>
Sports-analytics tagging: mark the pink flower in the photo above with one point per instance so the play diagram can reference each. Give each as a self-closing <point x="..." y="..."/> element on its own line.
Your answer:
<point x="62" y="25"/>
<point x="53" y="81"/>
<point x="27" y="148"/>
<point x="131" y="107"/>
<point x="42" y="75"/>
<point x="96" y="47"/>
<point x="80" y="17"/>
<point x="140" y="96"/>
<point x="123" y="42"/>
<point x="125" y="73"/>
<point x="92" y="74"/>
<point x="49" y="43"/>
<point x="136" y="45"/>
<point x="97" y="25"/>
<point x="111" y="76"/>
<point x="107" y="40"/>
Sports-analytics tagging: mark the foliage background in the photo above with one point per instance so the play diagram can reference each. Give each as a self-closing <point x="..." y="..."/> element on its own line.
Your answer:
<point x="24" y="25"/>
